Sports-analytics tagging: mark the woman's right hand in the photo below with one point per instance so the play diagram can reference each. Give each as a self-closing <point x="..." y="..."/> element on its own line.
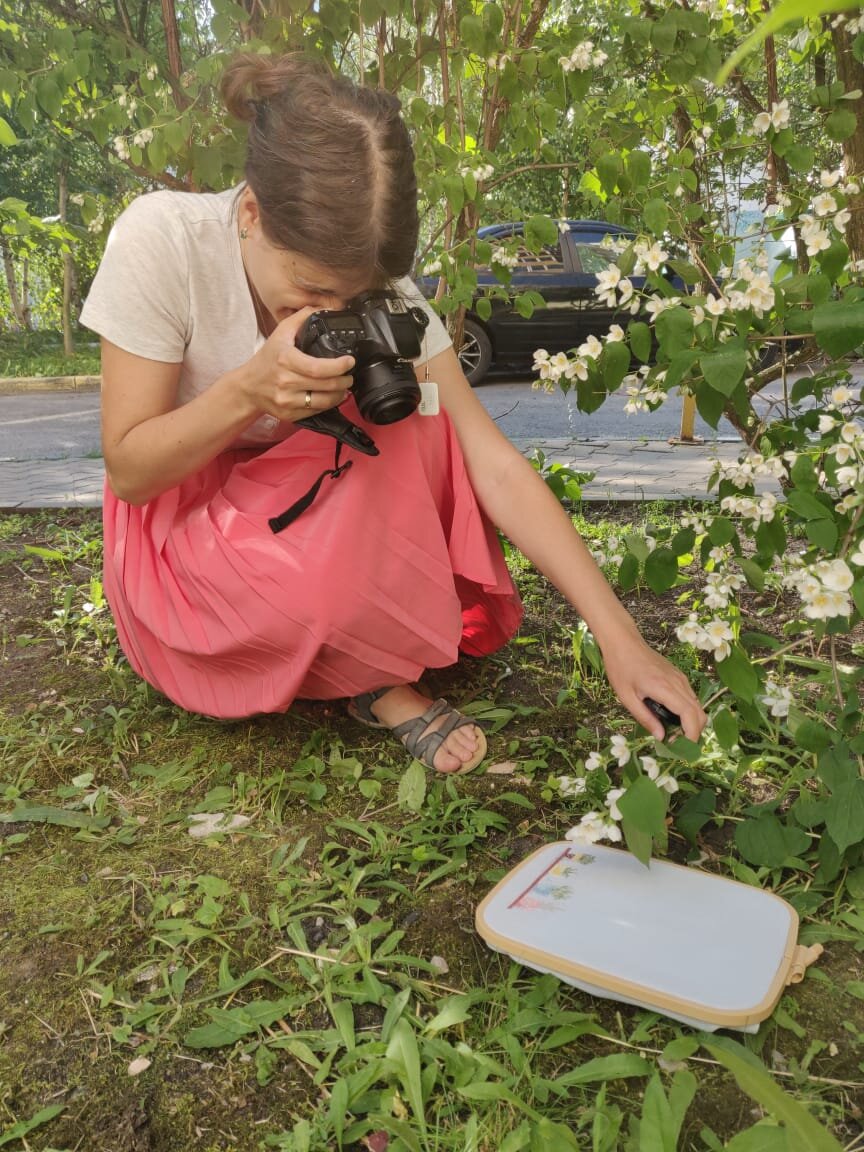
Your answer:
<point x="284" y="382"/>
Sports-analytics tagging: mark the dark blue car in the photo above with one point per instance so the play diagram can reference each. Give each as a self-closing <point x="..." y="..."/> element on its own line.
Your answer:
<point x="565" y="274"/>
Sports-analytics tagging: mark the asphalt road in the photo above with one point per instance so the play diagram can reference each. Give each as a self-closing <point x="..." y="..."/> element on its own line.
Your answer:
<point x="61" y="425"/>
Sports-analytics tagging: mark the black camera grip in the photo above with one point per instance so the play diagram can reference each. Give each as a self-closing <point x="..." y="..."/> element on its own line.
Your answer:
<point x="666" y="716"/>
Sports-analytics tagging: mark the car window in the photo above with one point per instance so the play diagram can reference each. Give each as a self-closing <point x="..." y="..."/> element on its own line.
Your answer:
<point x="594" y="258"/>
<point x="548" y="259"/>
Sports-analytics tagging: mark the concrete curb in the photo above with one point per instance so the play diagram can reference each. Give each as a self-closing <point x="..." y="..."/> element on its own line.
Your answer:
<point x="13" y="385"/>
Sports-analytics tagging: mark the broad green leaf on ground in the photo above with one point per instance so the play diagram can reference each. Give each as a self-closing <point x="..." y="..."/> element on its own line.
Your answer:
<point x="412" y="787"/>
<point x="619" y="1066"/>
<point x="404" y="1054"/>
<point x="804" y="1132"/>
<point x="767" y="841"/>
<point x="23" y="1127"/>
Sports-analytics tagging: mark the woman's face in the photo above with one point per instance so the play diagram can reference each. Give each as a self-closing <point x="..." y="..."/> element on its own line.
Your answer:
<point x="285" y="281"/>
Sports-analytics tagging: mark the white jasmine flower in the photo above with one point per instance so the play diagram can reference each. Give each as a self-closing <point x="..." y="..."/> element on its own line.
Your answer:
<point x="593" y="827"/>
<point x="815" y="237"/>
<point x="835" y="575"/>
<point x="826" y="423"/>
<point x="612" y="796"/>
<point x="650" y="767"/>
<point x="691" y="631"/>
<point x="716" y="305"/>
<point x="829" y="179"/>
<point x="591" y="349"/>
<point x="857" y="557"/>
<point x="777" y="699"/>
<point x="594" y="761"/>
<point x="824" y="204"/>
<point x="620" y="750"/>
<point x="615" y="334"/>
<point x="842" y="219"/>
<point x="667" y="783"/>
<point x="571" y="785"/>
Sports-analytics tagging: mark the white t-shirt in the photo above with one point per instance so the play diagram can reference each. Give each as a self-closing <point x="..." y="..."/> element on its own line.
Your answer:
<point x="171" y="287"/>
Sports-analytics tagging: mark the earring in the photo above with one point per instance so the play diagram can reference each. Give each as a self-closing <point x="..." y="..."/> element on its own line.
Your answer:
<point x="243" y="234"/>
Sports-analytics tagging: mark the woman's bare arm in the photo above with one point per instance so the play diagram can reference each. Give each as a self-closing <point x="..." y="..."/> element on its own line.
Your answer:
<point x="150" y="444"/>
<point x="518" y="501"/>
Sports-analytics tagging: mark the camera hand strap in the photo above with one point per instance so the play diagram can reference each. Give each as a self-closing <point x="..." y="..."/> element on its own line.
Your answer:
<point x="277" y="523"/>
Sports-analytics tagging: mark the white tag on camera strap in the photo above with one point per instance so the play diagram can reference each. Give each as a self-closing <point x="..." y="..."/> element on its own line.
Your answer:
<point x="428" y="398"/>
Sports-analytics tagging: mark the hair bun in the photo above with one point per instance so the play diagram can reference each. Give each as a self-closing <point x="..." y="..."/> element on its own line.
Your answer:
<point x="251" y="80"/>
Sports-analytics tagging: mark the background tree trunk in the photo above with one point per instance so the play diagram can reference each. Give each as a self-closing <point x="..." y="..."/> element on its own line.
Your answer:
<point x="851" y="72"/>
<point x="66" y="315"/>
<point x="20" y="307"/>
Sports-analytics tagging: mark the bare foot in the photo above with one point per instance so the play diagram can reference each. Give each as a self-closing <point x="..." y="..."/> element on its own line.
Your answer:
<point x="404" y="703"/>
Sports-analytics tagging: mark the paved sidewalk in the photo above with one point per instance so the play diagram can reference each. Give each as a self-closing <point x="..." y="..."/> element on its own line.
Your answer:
<point x="624" y="470"/>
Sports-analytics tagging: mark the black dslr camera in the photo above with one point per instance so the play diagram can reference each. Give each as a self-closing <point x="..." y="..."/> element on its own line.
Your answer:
<point x="384" y="335"/>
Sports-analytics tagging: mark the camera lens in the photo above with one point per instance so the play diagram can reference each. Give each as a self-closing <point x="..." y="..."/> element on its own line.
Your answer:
<point x="386" y="391"/>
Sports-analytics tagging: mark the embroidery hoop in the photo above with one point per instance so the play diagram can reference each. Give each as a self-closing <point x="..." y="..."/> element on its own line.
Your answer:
<point x="707" y="951"/>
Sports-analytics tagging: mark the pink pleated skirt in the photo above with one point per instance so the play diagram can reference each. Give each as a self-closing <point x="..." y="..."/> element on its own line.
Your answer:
<point x="392" y="570"/>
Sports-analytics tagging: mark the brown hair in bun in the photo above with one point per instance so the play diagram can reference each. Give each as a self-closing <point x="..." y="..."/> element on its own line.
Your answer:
<point x="331" y="164"/>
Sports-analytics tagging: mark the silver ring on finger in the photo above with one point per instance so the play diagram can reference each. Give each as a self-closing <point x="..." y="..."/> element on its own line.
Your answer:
<point x="307" y="403"/>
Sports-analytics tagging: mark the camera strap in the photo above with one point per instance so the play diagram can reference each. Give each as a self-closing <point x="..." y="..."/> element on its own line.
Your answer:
<point x="277" y="523"/>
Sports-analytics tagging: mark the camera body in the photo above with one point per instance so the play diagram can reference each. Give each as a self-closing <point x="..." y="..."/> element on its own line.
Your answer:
<point x="383" y="334"/>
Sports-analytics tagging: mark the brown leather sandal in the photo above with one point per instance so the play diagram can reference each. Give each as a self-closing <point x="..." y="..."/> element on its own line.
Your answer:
<point x="415" y="735"/>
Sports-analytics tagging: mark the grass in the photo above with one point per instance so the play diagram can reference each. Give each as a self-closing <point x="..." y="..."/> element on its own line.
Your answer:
<point x="311" y="978"/>
<point x="41" y="354"/>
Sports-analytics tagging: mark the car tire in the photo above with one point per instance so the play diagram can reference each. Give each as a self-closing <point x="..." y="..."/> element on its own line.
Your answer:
<point x="475" y="355"/>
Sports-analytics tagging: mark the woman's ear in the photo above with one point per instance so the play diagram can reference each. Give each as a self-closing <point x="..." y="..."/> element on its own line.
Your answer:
<point x="249" y="215"/>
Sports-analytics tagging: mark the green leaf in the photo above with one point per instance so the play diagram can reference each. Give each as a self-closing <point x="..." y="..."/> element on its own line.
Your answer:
<point x="844" y="817"/>
<point x="665" y="32"/>
<point x="540" y="230"/>
<point x="822" y="533"/>
<point x="452" y="1011"/>
<point x="803" y="1131"/>
<point x="23" y="1127"/>
<point x="721" y="531"/>
<point x="7" y="136"/>
<point x="738" y="674"/>
<point x="841" y="124"/>
<point x="404" y="1054"/>
<point x="726" y="729"/>
<point x="643" y="808"/>
<point x="615" y="364"/>
<point x="839" y="326"/>
<point x="709" y="403"/>
<point x="412" y="787"/>
<point x="656" y="216"/>
<point x="807" y="505"/>
<point x="832" y="260"/>
<point x="639" y="167"/>
<point x="674" y="329"/>
<point x="608" y="169"/>
<point x="695" y="813"/>
<point x="640" y="340"/>
<point x="619" y="1066"/>
<point x="628" y="572"/>
<point x="45" y="814"/>
<point x="661" y="570"/>
<point x="753" y="573"/>
<point x="800" y="158"/>
<point x="760" y="1138"/>
<point x="813" y="736"/>
<point x="786" y="12"/>
<point x="49" y="97"/>
<point x="724" y="371"/>
<point x="767" y="841"/>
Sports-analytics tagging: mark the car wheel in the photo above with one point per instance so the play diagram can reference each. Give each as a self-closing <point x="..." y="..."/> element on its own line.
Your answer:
<point x="475" y="355"/>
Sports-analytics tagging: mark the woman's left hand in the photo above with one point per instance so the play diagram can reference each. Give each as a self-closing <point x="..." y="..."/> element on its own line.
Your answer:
<point x="637" y="672"/>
